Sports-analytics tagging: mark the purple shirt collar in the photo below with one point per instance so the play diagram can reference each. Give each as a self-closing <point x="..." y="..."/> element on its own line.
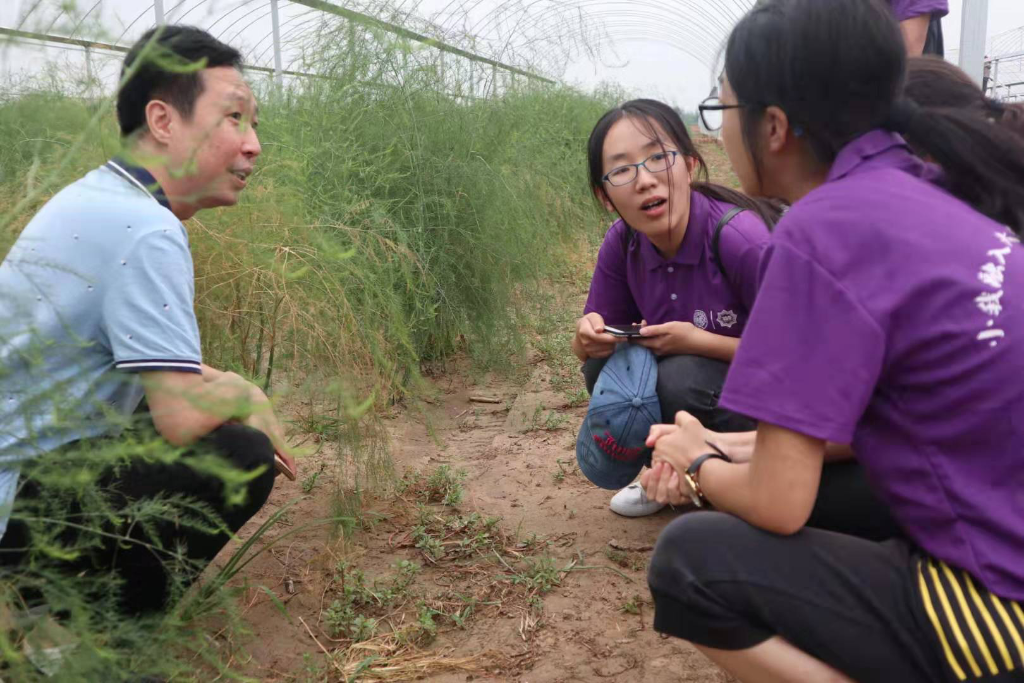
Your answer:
<point x="130" y="172"/>
<point x="881" y="148"/>
<point x="692" y="247"/>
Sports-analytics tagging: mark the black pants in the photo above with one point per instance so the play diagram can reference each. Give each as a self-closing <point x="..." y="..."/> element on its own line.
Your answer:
<point x="720" y="582"/>
<point x="934" y="43"/>
<point x="852" y="603"/>
<point x="143" y="570"/>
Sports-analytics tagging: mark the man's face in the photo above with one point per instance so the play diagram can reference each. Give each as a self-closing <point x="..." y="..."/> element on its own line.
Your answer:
<point x="212" y="154"/>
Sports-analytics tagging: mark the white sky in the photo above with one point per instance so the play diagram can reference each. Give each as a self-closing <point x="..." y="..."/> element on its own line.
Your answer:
<point x="657" y="48"/>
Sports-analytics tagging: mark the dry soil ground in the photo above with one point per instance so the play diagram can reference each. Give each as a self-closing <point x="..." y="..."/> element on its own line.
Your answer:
<point x="554" y="590"/>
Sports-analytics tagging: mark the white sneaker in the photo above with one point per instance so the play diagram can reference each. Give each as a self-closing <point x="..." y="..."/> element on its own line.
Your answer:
<point x="632" y="501"/>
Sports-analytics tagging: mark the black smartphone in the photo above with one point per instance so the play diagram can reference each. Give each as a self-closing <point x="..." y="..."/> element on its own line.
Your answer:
<point x="624" y="331"/>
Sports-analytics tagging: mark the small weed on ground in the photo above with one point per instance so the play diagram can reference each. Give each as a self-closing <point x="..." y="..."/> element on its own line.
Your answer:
<point x="633" y="605"/>
<point x="565" y="468"/>
<point x="443" y="486"/>
<point x="633" y="561"/>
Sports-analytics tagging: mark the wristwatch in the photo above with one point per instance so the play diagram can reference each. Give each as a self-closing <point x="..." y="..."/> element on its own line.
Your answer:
<point x="691" y="476"/>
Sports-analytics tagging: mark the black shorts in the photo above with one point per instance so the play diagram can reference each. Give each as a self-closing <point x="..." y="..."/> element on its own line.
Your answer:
<point x="877" y="611"/>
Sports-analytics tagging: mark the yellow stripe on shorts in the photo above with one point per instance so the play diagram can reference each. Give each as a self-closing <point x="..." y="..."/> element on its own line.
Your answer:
<point x="984" y="628"/>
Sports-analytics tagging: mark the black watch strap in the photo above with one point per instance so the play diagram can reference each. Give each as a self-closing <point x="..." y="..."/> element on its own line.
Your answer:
<point x="696" y="464"/>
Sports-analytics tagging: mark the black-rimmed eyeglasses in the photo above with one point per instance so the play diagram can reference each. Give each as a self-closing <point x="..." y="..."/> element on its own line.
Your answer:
<point x="712" y="113"/>
<point x="658" y="162"/>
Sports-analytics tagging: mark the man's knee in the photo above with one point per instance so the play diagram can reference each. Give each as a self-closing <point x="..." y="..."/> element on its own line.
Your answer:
<point x="248" y="449"/>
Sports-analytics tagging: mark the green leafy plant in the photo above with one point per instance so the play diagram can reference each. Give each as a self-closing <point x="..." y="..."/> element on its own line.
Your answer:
<point x="633" y="605"/>
<point x="445" y="486"/>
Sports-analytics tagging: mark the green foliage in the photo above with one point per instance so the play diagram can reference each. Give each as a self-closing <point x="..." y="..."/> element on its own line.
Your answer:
<point x="540" y="575"/>
<point x="565" y="467"/>
<point x="633" y="605"/>
<point x="425" y="621"/>
<point x="309" y="483"/>
<point x="344" y="616"/>
<point x="634" y="561"/>
<point x="445" y="486"/>
<point x="386" y="224"/>
<point x="390" y="222"/>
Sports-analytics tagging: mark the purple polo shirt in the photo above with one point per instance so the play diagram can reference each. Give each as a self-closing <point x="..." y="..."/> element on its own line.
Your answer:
<point x="638" y="283"/>
<point x="891" y="316"/>
<point x="908" y="9"/>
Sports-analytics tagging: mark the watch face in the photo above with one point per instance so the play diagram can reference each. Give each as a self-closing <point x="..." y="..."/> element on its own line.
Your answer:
<point x="691" y="490"/>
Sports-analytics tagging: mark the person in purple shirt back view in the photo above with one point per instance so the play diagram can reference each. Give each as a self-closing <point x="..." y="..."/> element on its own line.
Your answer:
<point x="679" y="259"/>
<point x="921" y="25"/>
<point x="889" y="317"/>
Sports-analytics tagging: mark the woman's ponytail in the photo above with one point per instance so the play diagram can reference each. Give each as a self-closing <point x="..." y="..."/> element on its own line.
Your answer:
<point x="983" y="163"/>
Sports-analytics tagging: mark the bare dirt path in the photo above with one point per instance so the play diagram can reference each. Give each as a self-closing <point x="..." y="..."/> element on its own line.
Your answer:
<point x="514" y="579"/>
<point x="527" y="620"/>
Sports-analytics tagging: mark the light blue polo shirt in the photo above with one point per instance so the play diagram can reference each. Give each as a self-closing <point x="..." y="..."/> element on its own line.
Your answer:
<point x="98" y="286"/>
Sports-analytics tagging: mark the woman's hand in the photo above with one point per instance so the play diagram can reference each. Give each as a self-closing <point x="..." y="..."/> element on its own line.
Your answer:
<point x="675" y="446"/>
<point x="664" y="485"/>
<point x="673" y="339"/>
<point x="591" y="341"/>
<point x="678" y="444"/>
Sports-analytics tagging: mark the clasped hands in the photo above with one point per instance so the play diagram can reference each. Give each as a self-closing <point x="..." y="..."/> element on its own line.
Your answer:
<point x="675" y="446"/>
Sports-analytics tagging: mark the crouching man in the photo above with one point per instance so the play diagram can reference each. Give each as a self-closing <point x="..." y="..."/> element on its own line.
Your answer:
<point x="97" y="313"/>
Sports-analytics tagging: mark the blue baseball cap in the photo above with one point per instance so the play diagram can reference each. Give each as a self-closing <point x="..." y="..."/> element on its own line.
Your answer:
<point x="611" y="448"/>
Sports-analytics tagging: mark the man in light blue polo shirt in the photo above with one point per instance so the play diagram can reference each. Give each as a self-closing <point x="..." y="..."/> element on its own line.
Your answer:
<point x="97" y="312"/>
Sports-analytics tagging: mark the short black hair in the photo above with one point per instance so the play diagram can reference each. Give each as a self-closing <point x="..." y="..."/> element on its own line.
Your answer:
<point x="174" y="56"/>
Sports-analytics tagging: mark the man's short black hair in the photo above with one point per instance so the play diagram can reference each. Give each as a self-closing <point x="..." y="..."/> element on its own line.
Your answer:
<point x="169" y="71"/>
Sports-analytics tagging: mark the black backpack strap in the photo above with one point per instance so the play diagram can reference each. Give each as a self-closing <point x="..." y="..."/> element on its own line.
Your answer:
<point x="717" y="237"/>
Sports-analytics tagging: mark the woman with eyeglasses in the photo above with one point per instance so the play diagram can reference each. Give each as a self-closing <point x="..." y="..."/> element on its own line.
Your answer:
<point x="890" y="315"/>
<point x="681" y="258"/>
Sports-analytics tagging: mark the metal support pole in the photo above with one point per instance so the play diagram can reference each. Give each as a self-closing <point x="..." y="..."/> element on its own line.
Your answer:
<point x="158" y="8"/>
<point x="994" y="82"/>
<point x="276" y="20"/>
<point x="352" y="61"/>
<point x="494" y="82"/>
<point x="88" y="72"/>
<point x="973" y="38"/>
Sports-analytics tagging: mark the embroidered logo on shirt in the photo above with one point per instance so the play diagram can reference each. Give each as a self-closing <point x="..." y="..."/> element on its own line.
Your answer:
<point x="609" y="445"/>
<point x="700" y="319"/>
<point x="726" y="318"/>
<point x="991" y="302"/>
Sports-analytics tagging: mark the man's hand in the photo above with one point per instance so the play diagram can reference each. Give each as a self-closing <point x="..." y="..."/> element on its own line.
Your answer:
<point x="186" y="407"/>
<point x="672" y="339"/>
<point x="264" y="419"/>
<point x="591" y="341"/>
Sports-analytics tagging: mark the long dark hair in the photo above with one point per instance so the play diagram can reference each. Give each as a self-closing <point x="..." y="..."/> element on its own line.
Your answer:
<point x="649" y="112"/>
<point x="837" y="68"/>
<point x="934" y="82"/>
